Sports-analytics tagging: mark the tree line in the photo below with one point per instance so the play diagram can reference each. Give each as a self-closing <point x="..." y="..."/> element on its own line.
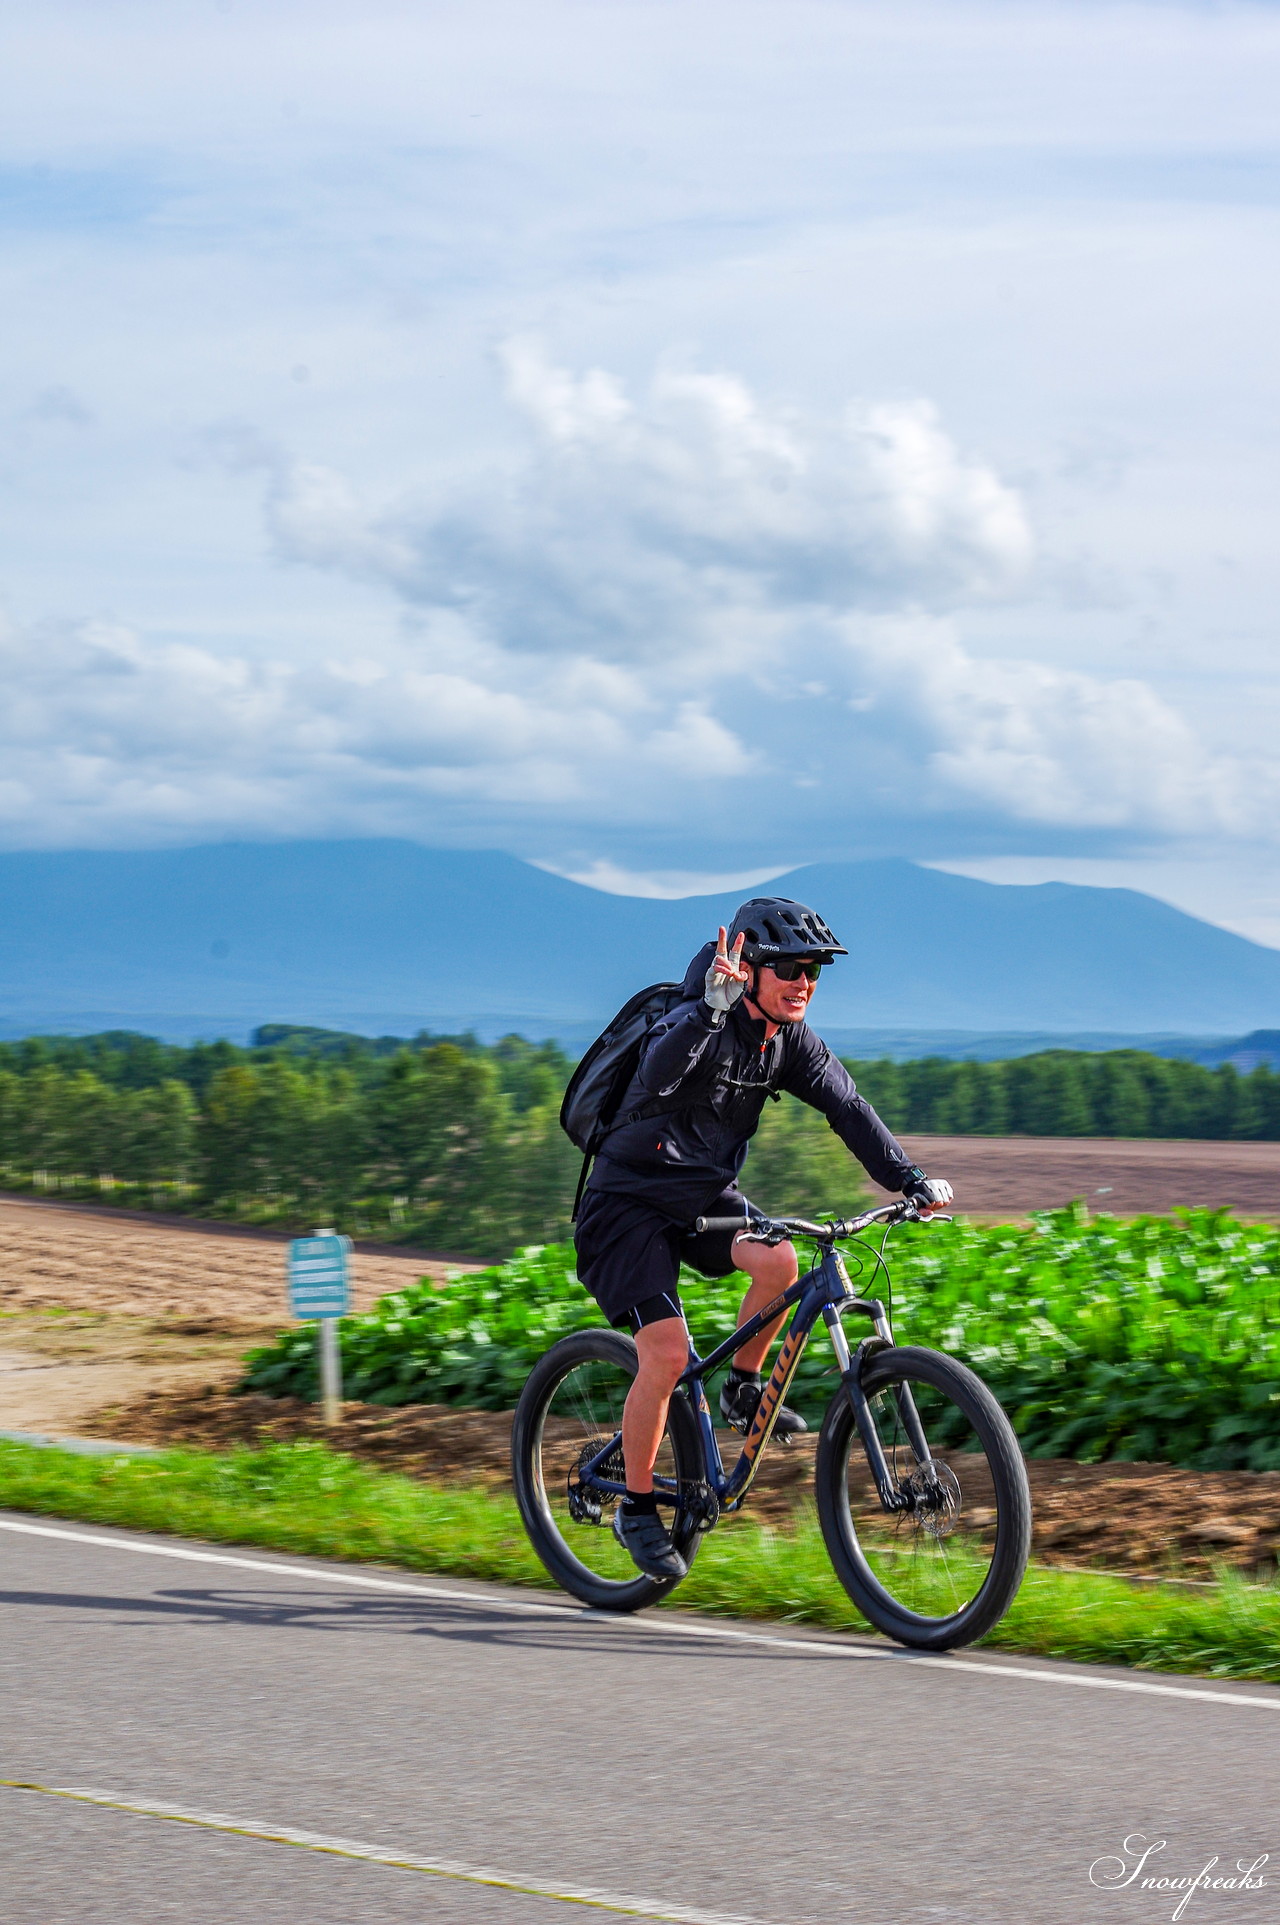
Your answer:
<point x="1060" y="1092"/>
<point x="446" y="1143"/>
<point x="455" y="1144"/>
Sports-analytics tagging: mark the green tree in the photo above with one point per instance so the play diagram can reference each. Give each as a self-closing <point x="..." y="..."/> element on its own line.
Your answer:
<point x="443" y="1130"/>
<point x="1046" y="1095"/>
<point x="974" y="1104"/>
<point x="797" y="1165"/>
<point x="1224" y="1098"/>
<point x="1249" y="1119"/>
<point x="12" y="1115"/>
<point x="927" y="1087"/>
<point x="1180" y="1101"/>
<point x="156" y="1134"/>
<point x="287" y="1129"/>
<point x="91" y="1114"/>
<point x="533" y="1075"/>
<point x="44" y="1131"/>
<point x="340" y="1141"/>
<point x="1265" y="1086"/>
<point x="991" y="1101"/>
<point x="542" y="1169"/>
<point x="1121" y="1106"/>
<point x="228" y="1135"/>
<point x="881" y="1084"/>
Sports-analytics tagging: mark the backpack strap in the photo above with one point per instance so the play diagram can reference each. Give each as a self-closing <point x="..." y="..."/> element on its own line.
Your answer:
<point x="587" y="1161"/>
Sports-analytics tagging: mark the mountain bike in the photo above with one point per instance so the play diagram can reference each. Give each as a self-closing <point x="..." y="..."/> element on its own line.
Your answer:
<point x="921" y="1488"/>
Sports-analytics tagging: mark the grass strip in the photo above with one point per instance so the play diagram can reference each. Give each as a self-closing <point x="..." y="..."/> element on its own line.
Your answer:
<point x="314" y="1502"/>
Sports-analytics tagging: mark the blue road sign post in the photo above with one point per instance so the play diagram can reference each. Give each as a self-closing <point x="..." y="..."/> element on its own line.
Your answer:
<point x="319" y="1270"/>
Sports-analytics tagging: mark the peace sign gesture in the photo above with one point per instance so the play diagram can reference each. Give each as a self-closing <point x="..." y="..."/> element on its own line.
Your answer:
<point x="728" y="976"/>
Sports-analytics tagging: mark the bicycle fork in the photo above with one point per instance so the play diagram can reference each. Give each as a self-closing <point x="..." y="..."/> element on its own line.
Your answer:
<point x="892" y="1498"/>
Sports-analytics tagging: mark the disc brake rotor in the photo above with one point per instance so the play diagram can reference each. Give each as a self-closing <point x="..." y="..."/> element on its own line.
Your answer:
<point x="934" y="1491"/>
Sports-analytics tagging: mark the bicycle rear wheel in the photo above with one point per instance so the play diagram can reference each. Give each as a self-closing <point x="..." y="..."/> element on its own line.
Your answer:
<point x="569" y="1409"/>
<point x="945" y="1570"/>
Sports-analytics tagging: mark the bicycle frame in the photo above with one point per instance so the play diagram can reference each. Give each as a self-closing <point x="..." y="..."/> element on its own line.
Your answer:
<point x="825" y="1292"/>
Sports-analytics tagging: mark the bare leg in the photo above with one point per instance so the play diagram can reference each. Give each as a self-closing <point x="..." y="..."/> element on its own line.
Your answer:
<point x="772" y="1269"/>
<point x="663" y="1350"/>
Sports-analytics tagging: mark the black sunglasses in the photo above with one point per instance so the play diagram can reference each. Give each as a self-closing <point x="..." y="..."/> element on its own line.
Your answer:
<point x="787" y="968"/>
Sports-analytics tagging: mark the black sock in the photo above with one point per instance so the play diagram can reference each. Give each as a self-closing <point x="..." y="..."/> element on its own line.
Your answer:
<point x="737" y="1376"/>
<point x="640" y="1504"/>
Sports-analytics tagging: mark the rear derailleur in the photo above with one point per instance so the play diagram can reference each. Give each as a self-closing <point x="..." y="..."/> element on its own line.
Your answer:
<point x="586" y="1503"/>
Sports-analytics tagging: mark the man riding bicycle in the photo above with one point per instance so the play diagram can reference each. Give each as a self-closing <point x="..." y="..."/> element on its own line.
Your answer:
<point x="738" y="1036"/>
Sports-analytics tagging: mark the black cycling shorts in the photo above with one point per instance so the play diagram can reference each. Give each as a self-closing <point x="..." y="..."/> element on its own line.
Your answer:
<point x="629" y="1254"/>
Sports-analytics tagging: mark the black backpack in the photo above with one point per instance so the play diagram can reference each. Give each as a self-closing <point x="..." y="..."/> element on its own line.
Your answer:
<point x="599" y="1083"/>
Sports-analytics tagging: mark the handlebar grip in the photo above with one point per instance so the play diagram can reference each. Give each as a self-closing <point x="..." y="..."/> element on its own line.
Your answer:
<point x="704" y="1223"/>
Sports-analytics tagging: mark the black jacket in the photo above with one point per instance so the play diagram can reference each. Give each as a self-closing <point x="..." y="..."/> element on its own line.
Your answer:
<point x="682" y="1159"/>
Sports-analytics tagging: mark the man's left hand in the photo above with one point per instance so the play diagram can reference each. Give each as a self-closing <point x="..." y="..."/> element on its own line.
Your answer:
<point x="929" y="1193"/>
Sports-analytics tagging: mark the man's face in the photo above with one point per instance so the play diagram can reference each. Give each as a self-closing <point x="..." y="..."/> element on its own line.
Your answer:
<point x="781" y="1002"/>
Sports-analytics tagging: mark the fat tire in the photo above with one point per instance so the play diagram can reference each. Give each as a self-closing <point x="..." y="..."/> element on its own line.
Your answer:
<point x="601" y="1594"/>
<point x="839" y="1436"/>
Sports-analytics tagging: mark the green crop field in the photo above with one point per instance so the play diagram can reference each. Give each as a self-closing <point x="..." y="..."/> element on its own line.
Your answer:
<point x="1156" y="1338"/>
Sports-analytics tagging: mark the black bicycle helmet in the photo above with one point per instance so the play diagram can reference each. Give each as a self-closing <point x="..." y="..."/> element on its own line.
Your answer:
<point x="774" y="926"/>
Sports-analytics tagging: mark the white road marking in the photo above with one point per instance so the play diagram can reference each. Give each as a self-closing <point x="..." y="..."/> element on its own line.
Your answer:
<point x="661" y="1626"/>
<point x="627" y="1903"/>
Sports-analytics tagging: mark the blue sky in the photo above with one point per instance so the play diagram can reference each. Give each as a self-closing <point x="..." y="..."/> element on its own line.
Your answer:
<point x="661" y="441"/>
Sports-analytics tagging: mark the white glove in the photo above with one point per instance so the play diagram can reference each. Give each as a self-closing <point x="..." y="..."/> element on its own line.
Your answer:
<point x="726" y="980"/>
<point x="932" y="1193"/>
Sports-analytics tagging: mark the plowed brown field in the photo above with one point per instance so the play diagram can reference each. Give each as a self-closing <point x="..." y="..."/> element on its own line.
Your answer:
<point x="1008" y="1176"/>
<point x="99" y="1308"/>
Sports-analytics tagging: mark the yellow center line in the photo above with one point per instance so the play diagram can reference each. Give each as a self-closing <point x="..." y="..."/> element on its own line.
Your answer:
<point x="625" y="1904"/>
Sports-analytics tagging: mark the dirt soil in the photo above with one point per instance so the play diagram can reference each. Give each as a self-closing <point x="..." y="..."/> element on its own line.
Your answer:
<point x="1141" y="1518"/>
<point x="97" y="1308"/>
<point x="1008" y="1176"/>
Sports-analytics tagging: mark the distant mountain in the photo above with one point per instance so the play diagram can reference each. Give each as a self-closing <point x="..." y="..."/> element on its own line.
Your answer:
<point x="1245" y="1052"/>
<point x="385" y="936"/>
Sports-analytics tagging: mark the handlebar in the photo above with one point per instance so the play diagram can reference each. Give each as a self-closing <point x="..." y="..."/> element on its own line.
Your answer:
<point x="775" y="1229"/>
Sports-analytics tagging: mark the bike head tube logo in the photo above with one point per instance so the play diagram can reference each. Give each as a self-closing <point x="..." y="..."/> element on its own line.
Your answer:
<point x="1141" y="1869"/>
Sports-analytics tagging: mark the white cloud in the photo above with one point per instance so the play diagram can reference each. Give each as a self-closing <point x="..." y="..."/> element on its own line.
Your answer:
<point x="683" y="612"/>
<point x="661" y="885"/>
<point x="107" y="738"/>
<point x="697" y="543"/>
<point x="1039" y="744"/>
<point x="685" y="524"/>
<point x="681" y="622"/>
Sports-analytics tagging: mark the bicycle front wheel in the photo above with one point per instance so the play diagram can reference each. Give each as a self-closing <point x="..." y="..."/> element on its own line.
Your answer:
<point x="945" y="1569"/>
<point x="568" y="1411"/>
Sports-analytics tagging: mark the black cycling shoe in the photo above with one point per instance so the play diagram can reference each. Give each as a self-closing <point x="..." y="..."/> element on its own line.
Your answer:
<point x="739" y="1403"/>
<point x="645" y="1538"/>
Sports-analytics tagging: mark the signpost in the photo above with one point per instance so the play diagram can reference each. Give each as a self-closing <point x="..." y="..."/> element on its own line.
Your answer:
<point x="319" y="1271"/>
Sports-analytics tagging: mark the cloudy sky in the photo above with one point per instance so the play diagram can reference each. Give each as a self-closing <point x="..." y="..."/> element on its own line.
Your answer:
<point x="662" y="441"/>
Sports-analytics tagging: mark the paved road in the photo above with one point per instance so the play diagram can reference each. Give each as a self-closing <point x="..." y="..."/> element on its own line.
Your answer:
<point x="786" y="1777"/>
